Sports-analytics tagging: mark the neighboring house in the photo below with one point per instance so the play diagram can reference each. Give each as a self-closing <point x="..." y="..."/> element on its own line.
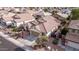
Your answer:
<point x="50" y="25"/>
<point x="19" y="18"/>
<point x="7" y="8"/>
<point x="8" y="18"/>
<point x="17" y="10"/>
<point x="24" y="18"/>
<point x="47" y="13"/>
<point x="63" y="14"/>
<point x="42" y="13"/>
<point x="72" y="36"/>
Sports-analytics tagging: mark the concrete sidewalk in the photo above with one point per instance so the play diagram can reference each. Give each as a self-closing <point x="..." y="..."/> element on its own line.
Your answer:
<point x="17" y="43"/>
<point x="26" y="42"/>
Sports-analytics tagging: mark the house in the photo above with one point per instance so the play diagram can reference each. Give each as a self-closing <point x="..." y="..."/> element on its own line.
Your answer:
<point x="19" y="18"/>
<point x="42" y="13"/>
<point x="63" y="14"/>
<point x="31" y="12"/>
<point x="72" y="36"/>
<point x="8" y="17"/>
<point x="49" y="25"/>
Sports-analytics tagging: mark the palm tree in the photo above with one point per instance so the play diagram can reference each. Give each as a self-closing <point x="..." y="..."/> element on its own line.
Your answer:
<point x="64" y="31"/>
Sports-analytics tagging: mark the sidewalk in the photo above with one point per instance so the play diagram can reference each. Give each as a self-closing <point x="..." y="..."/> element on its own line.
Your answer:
<point x="16" y="42"/>
<point x="26" y="42"/>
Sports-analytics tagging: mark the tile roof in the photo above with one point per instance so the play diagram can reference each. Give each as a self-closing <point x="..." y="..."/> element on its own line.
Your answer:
<point x="74" y="24"/>
<point x="23" y="17"/>
<point x="8" y="17"/>
<point x="31" y="12"/>
<point x="73" y="37"/>
<point x="50" y="24"/>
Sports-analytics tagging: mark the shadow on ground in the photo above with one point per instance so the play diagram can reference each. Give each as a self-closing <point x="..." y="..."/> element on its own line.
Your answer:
<point x="19" y="49"/>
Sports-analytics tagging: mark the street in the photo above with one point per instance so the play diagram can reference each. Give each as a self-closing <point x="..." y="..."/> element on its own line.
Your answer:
<point x="5" y="45"/>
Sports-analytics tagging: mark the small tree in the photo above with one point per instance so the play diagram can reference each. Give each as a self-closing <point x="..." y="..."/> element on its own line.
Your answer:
<point x="64" y="31"/>
<point x="15" y="29"/>
<point x="45" y="10"/>
<point x="54" y="12"/>
<point x="69" y="17"/>
<point x="55" y="41"/>
<point x="63" y="23"/>
<point x="75" y="14"/>
<point x="44" y="38"/>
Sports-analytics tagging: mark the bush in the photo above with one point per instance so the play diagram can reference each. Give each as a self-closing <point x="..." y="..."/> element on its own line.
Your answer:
<point x="64" y="31"/>
<point x="55" y="41"/>
<point x="75" y="14"/>
<point x="63" y="23"/>
<point x="69" y="17"/>
<point x="15" y="30"/>
<point x="44" y="38"/>
<point x="45" y="10"/>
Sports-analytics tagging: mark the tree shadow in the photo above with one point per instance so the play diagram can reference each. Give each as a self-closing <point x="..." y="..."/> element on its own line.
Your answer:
<point x="19" y="49"/>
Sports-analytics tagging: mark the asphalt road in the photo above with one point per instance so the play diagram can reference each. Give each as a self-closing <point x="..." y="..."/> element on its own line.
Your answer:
<point x="8" y="46"/>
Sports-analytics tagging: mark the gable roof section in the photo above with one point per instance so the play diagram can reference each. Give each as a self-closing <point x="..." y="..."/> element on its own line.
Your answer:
<point x="50" y="24"/>
<point x="74" y="24"/>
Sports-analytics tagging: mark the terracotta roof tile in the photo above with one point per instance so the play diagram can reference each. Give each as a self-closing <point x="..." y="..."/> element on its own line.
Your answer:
<point x="51" y="23"/>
